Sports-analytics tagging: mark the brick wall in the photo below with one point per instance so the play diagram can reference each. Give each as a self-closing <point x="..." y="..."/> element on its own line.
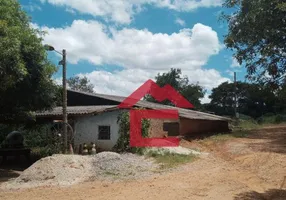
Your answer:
<point x="157" y="127"/>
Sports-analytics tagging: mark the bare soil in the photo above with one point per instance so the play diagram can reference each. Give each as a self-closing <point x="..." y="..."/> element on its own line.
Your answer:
<point x="252" y="168"/>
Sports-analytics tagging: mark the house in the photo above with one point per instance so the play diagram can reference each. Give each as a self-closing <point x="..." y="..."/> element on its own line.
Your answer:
<point x="94" y="119"/>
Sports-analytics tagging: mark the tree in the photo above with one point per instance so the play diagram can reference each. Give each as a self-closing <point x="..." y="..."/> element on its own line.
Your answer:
<point x="222" y="99"/>
<point x="253" y="99"/>
<point x="280" y="106"/>
<point x="80" y="84"/>
<point x="257" y="34"/>
<point x="25" y="72"/>
<point x="192" y="92"/>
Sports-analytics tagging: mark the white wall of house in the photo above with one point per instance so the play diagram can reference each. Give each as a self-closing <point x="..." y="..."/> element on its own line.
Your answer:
<point x="87" y="129"/>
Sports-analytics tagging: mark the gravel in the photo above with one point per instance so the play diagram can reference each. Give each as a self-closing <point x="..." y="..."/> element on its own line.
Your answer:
<point x="111" y="165"/>
<point x="172" y="150"/>
<point x="66" y="170"/>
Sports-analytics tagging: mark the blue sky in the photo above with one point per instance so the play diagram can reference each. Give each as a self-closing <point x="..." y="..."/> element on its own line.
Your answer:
<point x="119" y="44"/>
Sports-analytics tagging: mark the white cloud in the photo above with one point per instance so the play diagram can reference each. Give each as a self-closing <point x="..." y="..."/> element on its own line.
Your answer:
<point x="206" y="99"/>
<point x="70" y="10"/>
<point x="32" y="7"/>
<point x="234" y="63"/>
<point x="208" y="78"/>
<point x="141" y="53"/>
<point x="120" y="82"/>
<point x="180" y="22"/>
<point x="58" y="81"/>
<point x="132" y="48"/>
<point x="126" y="81"/>
<point x="122" y="11"/>
<point x="187" y="5"/>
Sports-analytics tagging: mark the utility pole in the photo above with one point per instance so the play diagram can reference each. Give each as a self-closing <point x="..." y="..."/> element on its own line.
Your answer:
<point x="63" y="62"/>
<point x="235" y="97"/>
<point x="65" y="117"/>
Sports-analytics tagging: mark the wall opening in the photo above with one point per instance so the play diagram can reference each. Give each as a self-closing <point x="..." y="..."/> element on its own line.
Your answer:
<point x="103" y="132"/>
<point x="172" y="128"/>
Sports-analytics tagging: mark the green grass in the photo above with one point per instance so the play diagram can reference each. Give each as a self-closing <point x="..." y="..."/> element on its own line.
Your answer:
<point x="244" y="125"/>
<point x="266" y="120"/>
<point x="170" y="160"/>
<point x="249" y="125"/>
<point x="272" y="119"/>
<point x="240" y="134"/>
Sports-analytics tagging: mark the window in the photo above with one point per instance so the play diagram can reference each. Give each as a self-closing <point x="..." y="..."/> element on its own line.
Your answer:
<point x="173" y="128"/>
<point x="104" y="132"/>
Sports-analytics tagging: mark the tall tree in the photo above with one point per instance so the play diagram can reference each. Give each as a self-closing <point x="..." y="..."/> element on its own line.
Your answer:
<point x="25" y="72"/>
<point x="192" y="92"/>
<point x="257" y="34"/>
<point x="80" y="84"/>
<point x="253" y="99"/>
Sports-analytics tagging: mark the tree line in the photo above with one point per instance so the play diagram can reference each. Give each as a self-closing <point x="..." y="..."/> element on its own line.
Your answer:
<point x="253" y="99"/>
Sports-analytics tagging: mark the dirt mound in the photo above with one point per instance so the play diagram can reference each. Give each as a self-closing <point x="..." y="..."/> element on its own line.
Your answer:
<point x="271" y="167"/>
<point x="65" y="170"/>
<point x="61" y="170"/>
<point x="113" y="166"/>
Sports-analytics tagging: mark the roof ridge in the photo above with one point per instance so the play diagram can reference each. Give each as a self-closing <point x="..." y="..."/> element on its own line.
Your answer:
<point x="113" y="98"/>
<point x="94" y="94"/>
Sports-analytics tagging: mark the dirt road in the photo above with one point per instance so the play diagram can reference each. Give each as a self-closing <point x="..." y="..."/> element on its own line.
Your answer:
<point x="241" y="169"/>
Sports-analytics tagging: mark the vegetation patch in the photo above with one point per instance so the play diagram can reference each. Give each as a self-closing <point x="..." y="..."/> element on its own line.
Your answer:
<point x="123" y="142"/>
<point x="247" y="125"/>
<point x="171" y="160"/>
<point x="235" y="134"/>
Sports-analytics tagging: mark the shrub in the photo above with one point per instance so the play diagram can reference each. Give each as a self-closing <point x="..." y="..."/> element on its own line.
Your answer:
<point x="278" y="119"/>
<point x="5" y="130"/>
<point x="260" y="120"/>
<point x="268" y="115"/>
<point x="42" y="141"/>
<point x="122" y="144"/>
<point x="245" y="117"/>
<point x="237" y="125"/>
<point x="39" y="138"/>
<point x="272" y="119"/>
